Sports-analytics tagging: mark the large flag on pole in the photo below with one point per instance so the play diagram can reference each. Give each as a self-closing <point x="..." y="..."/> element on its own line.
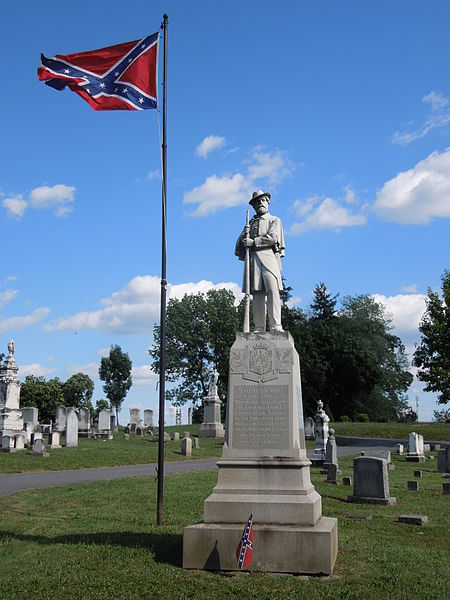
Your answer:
<point x="121" y="77"/>
<point x="244" y="552"/>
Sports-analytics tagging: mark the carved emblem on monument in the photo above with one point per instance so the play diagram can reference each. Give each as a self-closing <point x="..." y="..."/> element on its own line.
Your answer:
<point x="261" y="362"/>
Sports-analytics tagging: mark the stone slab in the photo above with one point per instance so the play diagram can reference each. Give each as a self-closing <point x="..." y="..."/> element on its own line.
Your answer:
<point x="413" y="486"/>
<point x="413" y="519"/>
<point x="418" y="474"/>
<point x="417" y="459"/>
<point x="446" y="488"/>
<point x="276" y="548"/>
<point x="367" y="500"/>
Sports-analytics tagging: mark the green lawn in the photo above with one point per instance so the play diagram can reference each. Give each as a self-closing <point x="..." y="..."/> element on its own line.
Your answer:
<point x="430" y="431"/>
<point x="100" y="541"/>
<point x="99" y="453"/>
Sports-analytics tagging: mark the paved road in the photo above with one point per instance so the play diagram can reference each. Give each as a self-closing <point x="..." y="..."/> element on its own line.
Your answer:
<point x="9" y="484"/>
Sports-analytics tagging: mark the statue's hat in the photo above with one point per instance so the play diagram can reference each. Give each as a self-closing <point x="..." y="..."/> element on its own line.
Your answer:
<point x="256" y="195"/>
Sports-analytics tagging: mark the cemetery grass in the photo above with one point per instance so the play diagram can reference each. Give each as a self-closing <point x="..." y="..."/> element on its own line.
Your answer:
<point x="98" y="453"/>
<point x="99" y="540"/>
<point x="430" y="431"/>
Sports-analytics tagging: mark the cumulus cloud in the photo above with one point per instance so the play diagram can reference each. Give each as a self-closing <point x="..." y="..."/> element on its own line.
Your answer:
<point x="7" y="296"/>
<point x="35" y="369"/>
<point x="210" y="143"/>
<point x="418" y="195"/>
<point x="406" y="311"/>
<point x="90" y="369"/>
<point x="218" y="192"/>
<point x="154" y="174"/>
<point x="438" y="117"/>
<point x="59" y="196"/>
<point x="327" y="213"/>
<point x="143" y="375"/>
<point x="15" y="206"/>
<point x="14" y="323"/>
<point x="134" y="308"/>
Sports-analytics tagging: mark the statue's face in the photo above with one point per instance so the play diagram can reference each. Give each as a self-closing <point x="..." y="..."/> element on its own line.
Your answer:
<point x="261" y="205"/>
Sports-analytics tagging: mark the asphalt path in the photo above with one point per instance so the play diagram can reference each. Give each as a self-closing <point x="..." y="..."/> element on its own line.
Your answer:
<point x="15" y="482"/>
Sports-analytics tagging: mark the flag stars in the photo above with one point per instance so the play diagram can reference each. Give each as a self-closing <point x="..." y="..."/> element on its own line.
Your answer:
<point x="130" y="59"/>
<point x="141" y="100"/>
<point x="125" y="91"/>
<point x="102" y="85"/>
<point x="66" y="71"/>
<point x="116" y="74"/>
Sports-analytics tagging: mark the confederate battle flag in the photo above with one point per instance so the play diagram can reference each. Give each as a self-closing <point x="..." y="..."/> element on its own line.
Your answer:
<point x="122" y="77"/>
<point x="244" y="552"/>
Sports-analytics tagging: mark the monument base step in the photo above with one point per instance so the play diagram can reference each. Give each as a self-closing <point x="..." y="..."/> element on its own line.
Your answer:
<point x="415" y="459"/>
<point x="211" y="430"/>
<point x="370" y="500"/>
<point x="276" y="548"/>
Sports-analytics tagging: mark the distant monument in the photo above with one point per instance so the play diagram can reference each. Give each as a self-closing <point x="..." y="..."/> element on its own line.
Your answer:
<point x="11" y="420"/>
<point x="264" y="468"/>
<point x="321" y="419"/>
<point x="212" y="426"/>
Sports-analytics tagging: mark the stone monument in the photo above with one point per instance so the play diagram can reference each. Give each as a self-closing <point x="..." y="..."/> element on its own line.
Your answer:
<point x="415" y="448"/>
<point x="321" y="419"/>
<point x="190" y="415"/>
<point x="264" y="469"/>
<point x="371" y="481"/>
<point x="60" y="419"/>
<point x="309" y="429"/>
<point x="71" y="429"/>
<point x="104" y="425"/>
<point x="331" y="453"/>
<point x="212" y="426"/>
<point x="178" y="416"/>
<point x="30" y="415"/>
<point x="84" y="422"/>
<point x="135" y="418"/>
<point x="11" y="420"/>
<point x="148" y="418"/>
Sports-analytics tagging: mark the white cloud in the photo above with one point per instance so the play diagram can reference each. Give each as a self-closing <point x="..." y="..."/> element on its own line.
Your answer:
<point x="406" y="311"/>
<point x="103" y="352"/>
<point x="7" y="296"/>
<point x="13" y="323"/>
<point x="218" y="192"/>
<point x="154" y="174"/>
<point x="210" y="143"/>
<point x="90" y="369"/>
<point x="134" y="308"/>
<point x="418" y="195"/>
<point x="143" y="375"/>
<point x="410" y="288"/>
<point x="11" y="278"/>
<point x="329" y="214"/>
<point x="438" y="118"/>
<point x="350" y="195"/>
<point x="15" y="207"/>
<point x="59" y="196"/>
<point x="35" y="369"/>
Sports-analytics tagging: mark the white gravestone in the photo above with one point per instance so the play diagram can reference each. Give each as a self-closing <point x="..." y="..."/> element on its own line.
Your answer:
<point x="72" y="429"/>
<point x="60" y="418"/>
<point x="175" y="436"/>
<point x="186" y="446"/>
<point x="212" y="426"/>
<point x="30" y="414"/>
<point x="104" y="425"/>
<point x="39" y="448"/>
<point x="331" y="453"/>
<point x="370" y="481"/>
<point x="399" y="448"/>
<point x="8" y="443"/>
<point x="135" y="417"/>
<point x="148" y="418"/>
<point x="11" y="420"/>
<point x="84" y="422"/>
<point x="264" y="470"/>
<point x="322" y="420"/>
<point x="54" y="442"/>
<point x="19" y="441"/>
<point x="415" y="448"/>
<point x="190" y="415"/>
<point x="309" y="429"/>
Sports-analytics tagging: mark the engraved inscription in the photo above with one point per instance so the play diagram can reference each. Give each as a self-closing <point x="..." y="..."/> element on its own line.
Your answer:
<point x="261" y="417"/>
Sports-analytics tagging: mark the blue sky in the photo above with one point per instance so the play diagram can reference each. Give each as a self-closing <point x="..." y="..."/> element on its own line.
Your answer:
<point x="340" y="110"/>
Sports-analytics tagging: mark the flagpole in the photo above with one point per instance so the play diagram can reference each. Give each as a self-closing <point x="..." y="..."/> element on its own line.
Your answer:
<point x="162" y="329"/>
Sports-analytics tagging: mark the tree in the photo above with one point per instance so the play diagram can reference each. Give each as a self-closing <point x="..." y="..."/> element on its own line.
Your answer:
<point x="432" y="355"/>
<point x="115" y="371"/>
<point x="78" y="391"/>
<point x="200" y="330"/>
<point x="44" y="395"/>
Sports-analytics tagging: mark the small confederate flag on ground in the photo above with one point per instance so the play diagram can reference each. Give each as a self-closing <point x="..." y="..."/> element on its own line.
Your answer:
<point x="121" y="77"/>
<point x="244" y="552"/>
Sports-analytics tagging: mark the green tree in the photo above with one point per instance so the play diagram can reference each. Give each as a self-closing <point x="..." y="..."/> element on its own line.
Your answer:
<point x="200" y="329"/>
<point x="78" y="391"/>
<point x="432" y="355"/>
<point x="115" y="371"/>
<point x="44" y="395"/>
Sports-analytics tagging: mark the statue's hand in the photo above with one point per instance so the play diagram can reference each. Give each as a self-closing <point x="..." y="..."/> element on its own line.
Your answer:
<point x="248" y="242"/>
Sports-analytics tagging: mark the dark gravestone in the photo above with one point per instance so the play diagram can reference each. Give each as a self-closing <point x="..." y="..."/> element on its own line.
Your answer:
<point x="371" y="481"/>
<point x="413" y="486"/>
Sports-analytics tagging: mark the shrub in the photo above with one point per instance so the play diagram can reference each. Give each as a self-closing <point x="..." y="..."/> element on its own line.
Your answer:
<point x="442" y="416"/>
<point x="345" y="419"/>
<point x="363" y="417"/>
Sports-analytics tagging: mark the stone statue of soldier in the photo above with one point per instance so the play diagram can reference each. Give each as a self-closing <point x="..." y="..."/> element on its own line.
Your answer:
<point x="264" y="238"/>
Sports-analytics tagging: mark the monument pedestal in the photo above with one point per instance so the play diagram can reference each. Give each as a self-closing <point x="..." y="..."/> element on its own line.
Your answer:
<point x="211" y="426"/>
<point x="264" y="471"/>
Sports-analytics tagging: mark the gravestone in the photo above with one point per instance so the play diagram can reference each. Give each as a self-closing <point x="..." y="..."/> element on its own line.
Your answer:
<point x="104" y="425"/>
<point x="175" y="436"/>
<point x="11" y="420"/>
<point x="60" y="419"/>
<point x="148" y="418"/>
<point x="54" y="442"/>
<point x="386" y="454"/>
<point x="166" y="436"/>
<point x="399" y="448"/>
<point x="331" y="452"/>
<point x="444" y="460"/>
<point x="413" y="486"/>
<point x="415" y="448"/>
<point x="186" y="446"/>
<point x="178" y="416"/>
<point x="332" y="473"/>
<point x="39" y="448"/>
<point x="29" y="429"/>
<point x="321" y="420"/>
<point x="126" y="430"/>
<point x="71" y="429"/>
<point x="435" y="447"/>
<point x="19" y="441"/>
<point x="196" y="443"/>
<point x="264" y="470"/>
<point x="347" y="480"/>
<point x="8" y="443"/>
<point x="212" y="426"/>
<point x="139" y="431"/>
<point x="446" y="488"/>
<point x="370" y="481"/>
<point x="30" y="415"/>
<point x="427" y="448"/>
<point x="135" y="418"/>
<point x="309" y="429"/>
<point x="190" y="415"/>
<point x="84" y="422"/>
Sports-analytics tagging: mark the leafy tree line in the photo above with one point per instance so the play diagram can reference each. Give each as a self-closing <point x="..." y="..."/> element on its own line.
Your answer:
<point x="77" y="391"/>
<point x="349" y="357"/>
